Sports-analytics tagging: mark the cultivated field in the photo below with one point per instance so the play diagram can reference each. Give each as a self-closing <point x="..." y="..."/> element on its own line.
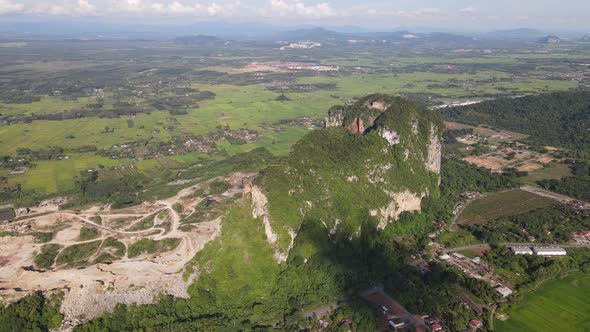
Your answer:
<point x="502" y="204"/>
<point x="550" y="171"/>
<point x="559" y="305"/>
<point x="159" y="103"/>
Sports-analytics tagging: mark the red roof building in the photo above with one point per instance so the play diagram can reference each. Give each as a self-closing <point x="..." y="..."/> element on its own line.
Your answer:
<point x="436" y="327"/>
<point x="475" y="323"/>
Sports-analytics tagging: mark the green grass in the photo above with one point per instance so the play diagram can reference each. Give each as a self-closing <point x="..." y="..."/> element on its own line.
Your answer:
<point x="144" y="224"/>
<point x="111" y="244"/>
<point x="502" y="204"/>
<point x="457" y="238"/>
<point x="551" y="171"/>
<point x="250" y="106"/>
<point x="78" y="252"/>
<point x="44" y="106"/>
<point x="148" y="246"/>
<point x="46" y="258"/>
<point x="88" y="233"/>
<point x="559" y="305"/>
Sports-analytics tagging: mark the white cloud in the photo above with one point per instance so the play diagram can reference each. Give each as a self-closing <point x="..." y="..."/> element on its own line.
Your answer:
<point x="8" y="7"/>
<point x="85" y="8"/>
<point x="426" y="12"/>
<point x="177" y="8"/>
<point x="285" y="8"/>
<point x="467" y="10"/>
<point x="180" y="8"/>
<point x="215" y="10"/>
<point x="68" y="8"/>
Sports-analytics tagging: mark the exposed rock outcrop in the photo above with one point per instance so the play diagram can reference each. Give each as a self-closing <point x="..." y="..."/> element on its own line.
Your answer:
<point x="357" y="126"/>
<point x="401" y="202"/>
<point x="378" y="105"/>
<point x="259" y="209"/>
<point x="434" y="151"/>
<point x="390" y="136"/>
<point x="335" y="118"/>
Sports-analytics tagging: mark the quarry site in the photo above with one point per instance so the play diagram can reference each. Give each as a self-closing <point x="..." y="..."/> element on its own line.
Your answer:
<point x="101" y="257"/>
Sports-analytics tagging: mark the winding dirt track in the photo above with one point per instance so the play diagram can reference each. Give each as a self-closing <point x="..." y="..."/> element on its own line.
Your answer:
<point x="94" y="289"/>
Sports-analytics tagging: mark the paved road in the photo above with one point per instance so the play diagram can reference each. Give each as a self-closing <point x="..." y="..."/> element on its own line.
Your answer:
<point x="513" y="244"/>
<point x="547" y="193"/>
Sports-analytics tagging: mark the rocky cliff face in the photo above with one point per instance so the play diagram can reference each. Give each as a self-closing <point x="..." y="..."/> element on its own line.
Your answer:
<point x="434" y="150"/>
<point x="335" y="118"/>
<point x="375" y="159"/>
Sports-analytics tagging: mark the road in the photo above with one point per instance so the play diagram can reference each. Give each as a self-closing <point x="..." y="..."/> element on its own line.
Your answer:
<point x="547" y="193"/>
<point x="484" y="246"/>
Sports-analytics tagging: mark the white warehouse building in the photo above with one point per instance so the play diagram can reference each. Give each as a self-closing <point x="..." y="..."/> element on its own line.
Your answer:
<point x="521" y="250"/>
<point x="548" y="251"/>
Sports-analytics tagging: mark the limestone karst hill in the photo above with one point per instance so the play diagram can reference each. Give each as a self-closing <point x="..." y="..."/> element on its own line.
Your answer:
<point x="376" y="158"/>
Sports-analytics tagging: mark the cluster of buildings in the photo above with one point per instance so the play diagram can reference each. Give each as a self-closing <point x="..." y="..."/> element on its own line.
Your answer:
<point x="577" y="204"/>
<point x="304" y="66"/>
<point x="581" y="237"/>
<point x="301" y="45"/>
<point x="433" y="323"/>
<point x="538" y="251"/>
<point x="141" y="150"/>
<point x="478" y="269"/>
<point x="457" y="103"/>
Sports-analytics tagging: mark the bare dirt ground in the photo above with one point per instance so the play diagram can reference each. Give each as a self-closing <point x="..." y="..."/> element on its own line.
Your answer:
<point x="521" y="159"/>
<point x="489" y="162"/>
<point x="93" y="289"/>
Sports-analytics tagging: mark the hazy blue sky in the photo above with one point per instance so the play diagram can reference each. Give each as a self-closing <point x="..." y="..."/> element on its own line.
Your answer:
<point x="454" y="14"/>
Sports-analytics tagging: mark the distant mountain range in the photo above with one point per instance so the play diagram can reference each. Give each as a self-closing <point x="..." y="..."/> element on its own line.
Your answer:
<point x="514" y="34"/>
<point x="250" y="31"/>
<point x="549" y="40"/>
<point x="324" y="35"/>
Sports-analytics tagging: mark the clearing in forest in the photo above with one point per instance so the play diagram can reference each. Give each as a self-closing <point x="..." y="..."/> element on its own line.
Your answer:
<point x="502" y="204"/>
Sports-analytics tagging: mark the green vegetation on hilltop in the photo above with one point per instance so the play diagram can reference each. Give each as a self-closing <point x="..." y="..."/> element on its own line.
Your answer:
<point x="335" y="177"/>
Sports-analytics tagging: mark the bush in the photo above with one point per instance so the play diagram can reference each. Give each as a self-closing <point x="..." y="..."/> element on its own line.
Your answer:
<point x="148" y="246"/>
<point x="87" y="233"/>
<point x="32" y="313"/>
<point x="118" y="246"/>
<point x="46" y="258"/>
<point x="78" y="252"/>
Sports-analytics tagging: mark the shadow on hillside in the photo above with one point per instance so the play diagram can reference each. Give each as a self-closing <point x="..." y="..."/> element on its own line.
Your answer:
<point x="369" y="259"/>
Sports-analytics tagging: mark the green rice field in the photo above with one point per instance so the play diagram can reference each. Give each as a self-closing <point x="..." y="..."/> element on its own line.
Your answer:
<point x="559" y="305"/>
